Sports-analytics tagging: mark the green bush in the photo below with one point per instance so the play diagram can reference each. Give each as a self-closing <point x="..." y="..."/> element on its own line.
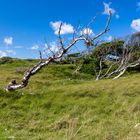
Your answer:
<point x="4" y="60"/>
<point x="91" y="65"/>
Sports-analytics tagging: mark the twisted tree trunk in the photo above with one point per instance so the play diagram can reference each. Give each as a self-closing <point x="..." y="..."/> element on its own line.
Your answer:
<point x="13" y="85"/>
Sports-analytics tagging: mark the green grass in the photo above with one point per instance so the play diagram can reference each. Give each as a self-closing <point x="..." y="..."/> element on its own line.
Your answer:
<point x="60" y="105"/>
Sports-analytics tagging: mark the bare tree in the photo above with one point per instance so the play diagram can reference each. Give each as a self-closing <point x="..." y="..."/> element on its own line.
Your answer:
<point x="106" y="54"/>
<point x="129" y="58"/>
<point x="89" y="41"/>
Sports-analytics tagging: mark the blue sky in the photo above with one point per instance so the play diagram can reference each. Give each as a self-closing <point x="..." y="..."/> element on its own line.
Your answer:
<point x="25" y="24"/>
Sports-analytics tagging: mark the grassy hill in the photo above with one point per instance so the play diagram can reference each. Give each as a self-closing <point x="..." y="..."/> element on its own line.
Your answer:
<point x="60" y="105"/>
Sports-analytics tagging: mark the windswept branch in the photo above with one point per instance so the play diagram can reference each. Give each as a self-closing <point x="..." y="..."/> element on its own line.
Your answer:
<point x="60" y="38"/>
<point x="13" y="85"/>
<point x="106" y="27"/>
<point x="129" y="58"/>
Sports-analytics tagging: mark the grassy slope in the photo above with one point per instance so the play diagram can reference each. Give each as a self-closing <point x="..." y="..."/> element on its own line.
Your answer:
<point x="58" y="105"/>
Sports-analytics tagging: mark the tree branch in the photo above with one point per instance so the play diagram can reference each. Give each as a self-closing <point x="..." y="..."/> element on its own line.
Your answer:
<point x="13" y="85"/>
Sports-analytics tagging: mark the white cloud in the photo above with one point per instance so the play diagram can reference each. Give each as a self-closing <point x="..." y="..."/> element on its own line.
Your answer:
<point x="138" y="5"/>
<point x="52" y="46"/>
<point x="136" y="24"/>
<point x="108" y="9"/>
<point x="12" y="52"/>
<point x="8" y="40"/>
<point x="87" y="31"/>
<point x="3" y="54"/>
<point x="117" y="16"/>
<point x="65" y="29"/>
<point x="6" y="53"/>
<point x="109" y="38"/>
<point x="34" y="47"/>
<point x="18" y="47"/>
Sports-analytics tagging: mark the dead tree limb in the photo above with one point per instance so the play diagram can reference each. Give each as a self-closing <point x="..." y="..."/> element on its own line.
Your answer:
<point x="13" y="85"/>
<point x="128" y="59"/>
